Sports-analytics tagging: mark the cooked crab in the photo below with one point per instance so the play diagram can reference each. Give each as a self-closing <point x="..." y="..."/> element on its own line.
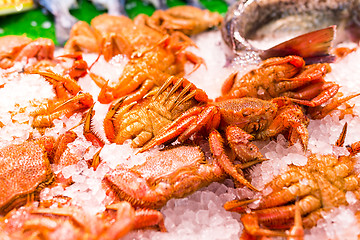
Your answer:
<point x="171" y="173"/>
<point x="50" y="222"/>
<point x="15" y="48"/>
<point x="187" y="19"/>
<point x="46" y="113"/>
<point x="240" y="120"/>
<point x="25" y="168"/>
<point x="319" y="186"/>
<point x="144" y="119"/>
<point x="283" y="76"/>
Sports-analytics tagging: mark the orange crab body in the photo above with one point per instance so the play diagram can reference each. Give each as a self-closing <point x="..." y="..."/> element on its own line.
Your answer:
<point x="286" y="76"/>
<point x="26" y="164"/>
<point x="15" y="48"/>
<point x="145" y="119"/>
<point x="111" y="35"/>
<point x="25" y="168"/>
<point x="151" y="68"/>
<point x="244" y="118"/>
<point x="172" y="173"/>
<point x="241" y="120"/>
<point x="187" y="19"/>
<point x="154" y="56"/>
<point x="318" y="186"/>
<point x="50" y="222"/>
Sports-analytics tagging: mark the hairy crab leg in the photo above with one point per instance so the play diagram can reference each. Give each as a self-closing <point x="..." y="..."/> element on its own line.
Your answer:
<point x="174" y="129"/>
<point x="320" y="112"/>
<point x="217" y="148"/>
<point x="328" y="90"/>
<point x="45" y="115"/>
<point x="290" y="117"/>
<point x="297" y="231"/>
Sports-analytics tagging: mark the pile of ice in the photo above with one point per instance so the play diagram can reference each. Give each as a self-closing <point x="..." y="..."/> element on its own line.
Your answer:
<point x="20" y="94"/>
<point x="339" y="223"/>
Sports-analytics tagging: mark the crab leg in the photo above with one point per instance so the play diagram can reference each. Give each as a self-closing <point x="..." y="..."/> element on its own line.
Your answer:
<point x="251" y="225"/>
<point x="280" y="217"/>
<point x="175" y="128"/>
<point x="137" y="95"/>
<point x="316" y="71"/>
<point x="297" y="231"/>
<point x="149" y="217"/>
<point x="108" y="120"/>
<point x="291" y="117"/>
<point x="320" y="112"/>
<point x="61" y="145"/>
<point x="44" y="116"/>
<point x="63" y="85"/>
<point x="217" y="148"/>
<point x="128" y="219"/>
<point x="114" y="44"/>
<point x="292" y="59"/>
<point x="79" y="67"/>
<point x="244" y="149"/>
<point x="329" y="89"/>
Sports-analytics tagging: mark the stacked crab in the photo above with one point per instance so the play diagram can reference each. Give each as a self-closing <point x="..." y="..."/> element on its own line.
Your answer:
<point x="152" y="104"/>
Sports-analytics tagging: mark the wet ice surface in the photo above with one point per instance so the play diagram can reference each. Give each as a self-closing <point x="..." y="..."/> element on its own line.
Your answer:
<point x="200" y="215"/>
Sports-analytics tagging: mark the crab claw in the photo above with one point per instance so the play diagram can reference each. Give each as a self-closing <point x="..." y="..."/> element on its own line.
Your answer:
<point x="46" y="114"/>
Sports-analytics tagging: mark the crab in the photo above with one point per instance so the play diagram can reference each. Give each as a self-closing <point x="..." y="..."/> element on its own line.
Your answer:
<point x="319" y="186"/>
<point x="151" y="67"/>
<point x="64" y="86"/>
<point x="283" y="76"/>
<point x="241" y="120"/>
<point x="46" y="113"/>
<point x="187" y="19"/>
<point x="50" y="222"/>
<point x="143" y="120"/>
<point x="112" y="35"/>
<point x="25" y="168"/>
<point x="166" y="174"/>
<point x="153" y="56"/>
<point x="15" y="48"/>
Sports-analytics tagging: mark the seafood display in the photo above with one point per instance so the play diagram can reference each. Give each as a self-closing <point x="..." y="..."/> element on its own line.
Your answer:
<point x="142" y="129"/>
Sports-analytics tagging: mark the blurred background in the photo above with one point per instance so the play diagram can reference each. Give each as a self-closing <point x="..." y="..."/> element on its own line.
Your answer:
<point x="38" y="22"/>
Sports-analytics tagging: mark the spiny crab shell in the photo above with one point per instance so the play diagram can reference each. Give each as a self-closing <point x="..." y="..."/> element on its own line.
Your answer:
<point x="173" y="173"/>
<point x="24" y="169"/>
